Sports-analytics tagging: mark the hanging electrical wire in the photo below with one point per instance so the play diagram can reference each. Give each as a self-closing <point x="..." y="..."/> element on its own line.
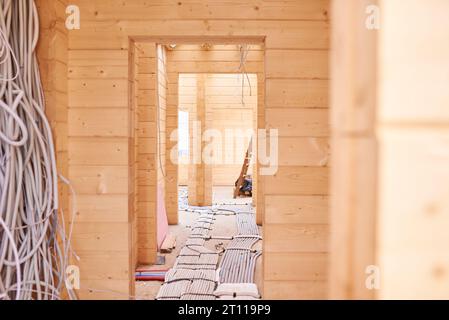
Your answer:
<point x="34" y="249"/>
<point x="244" y="51"/>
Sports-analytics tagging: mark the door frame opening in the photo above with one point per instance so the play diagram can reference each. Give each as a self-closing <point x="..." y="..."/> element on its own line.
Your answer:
<point x="145" y="195"/>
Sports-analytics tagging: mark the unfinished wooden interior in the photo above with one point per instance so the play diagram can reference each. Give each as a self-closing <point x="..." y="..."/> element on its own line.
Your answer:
<point x="101" y="131"/>
<point x="377" y="197"/>
<point x="225" y="115"/>
<point x="389" y="129"/>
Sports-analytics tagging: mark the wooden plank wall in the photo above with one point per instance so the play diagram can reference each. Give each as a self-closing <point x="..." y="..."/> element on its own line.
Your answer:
<point x="200" y="173"/>
<point x="52" y="55"/>
<point x="223" y="99"/>
<point x="413" y="126"/>
<point x="101" y="188"/>
<point x="99" y="151"/>
<point x="171" y="167"/>
<point x="296" y="66"/>
<point x="133" y="208"/>
<point x="390" y="129"/>
<point x="52" y="58"/>
<point x="215" y="58"/>
<point x="161" y="117"/>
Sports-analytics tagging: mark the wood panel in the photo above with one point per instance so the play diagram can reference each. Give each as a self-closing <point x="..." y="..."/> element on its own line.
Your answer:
<point x="112" y="34"/>
<point x="233" y="115"/>
<point x="99" y="159"/>
<point x="200" y="172"/>
<point x="354" y="158"/>
<point x="88" y="93"/>
<point x="102" y="208"/>
<point x="226" y="115"/>
<point x="162" y="181"/>
<point x="296" y="238"/>
<point x="308" y="152"/>
<point x="282" y="267"/>
<point x="298" y="122"/>
<point x="296" y="43"/>
<point x="389" y="188"/>
<point x="307" y="64"/>
<point x="52" y="57"/>
<point x="283" y="209"/>
<point x="297" y="94"/>
<point x="187" y="10"/>
<point x="98" y="122"/>
<point x="298" y="180"/>
<point x="204" y="61"/>
<point x="303" y="290"/>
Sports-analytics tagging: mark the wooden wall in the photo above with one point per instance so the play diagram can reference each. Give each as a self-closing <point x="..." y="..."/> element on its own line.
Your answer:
<point x="390" y="135"/>
<point x="146" y="64"/>
<point x="413" y="127"/>
<point x="200" y="172"/>
<point x="100" y="150"/>
<point x="224" y="96"/>
<point x="81" y="117"/>
<point x="52" y="58"/>
<point x="161" y="95"/>
<point x="134" y="53"/>
<point x="296" y="68"/>
<point x="215" y="58"/>
<point x="95" y="138"/>
<point x="224" y="100"/>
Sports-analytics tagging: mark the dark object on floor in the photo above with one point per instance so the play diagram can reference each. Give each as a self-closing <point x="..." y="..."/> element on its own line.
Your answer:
<point x="247" y="188"/>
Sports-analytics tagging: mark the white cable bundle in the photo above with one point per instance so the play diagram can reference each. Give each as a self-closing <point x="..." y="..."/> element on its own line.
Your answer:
<point x="33" y="246"/>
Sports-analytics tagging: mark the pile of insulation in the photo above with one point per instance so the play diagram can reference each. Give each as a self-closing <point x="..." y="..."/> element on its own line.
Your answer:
<point x="193" y="277"/>
<point x="203" y="274"/>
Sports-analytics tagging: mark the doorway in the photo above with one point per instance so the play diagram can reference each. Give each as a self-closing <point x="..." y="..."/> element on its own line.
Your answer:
<point x="232" y="104"/>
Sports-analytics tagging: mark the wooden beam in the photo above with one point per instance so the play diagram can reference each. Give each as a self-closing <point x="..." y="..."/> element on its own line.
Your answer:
<point x="200" y="173"/>
<point x="353" y="188"/>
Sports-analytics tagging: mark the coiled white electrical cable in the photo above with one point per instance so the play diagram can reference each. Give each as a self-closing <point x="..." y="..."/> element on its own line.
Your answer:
<point x="34" y="250"/>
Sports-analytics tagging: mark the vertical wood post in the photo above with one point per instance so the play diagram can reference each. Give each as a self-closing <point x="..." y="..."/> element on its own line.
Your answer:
<point x="200" y="173"/>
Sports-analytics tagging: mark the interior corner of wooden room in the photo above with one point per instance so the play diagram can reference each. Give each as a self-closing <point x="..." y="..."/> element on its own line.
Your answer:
<point x="106" y="123"/>
<point x="361" y="182"/>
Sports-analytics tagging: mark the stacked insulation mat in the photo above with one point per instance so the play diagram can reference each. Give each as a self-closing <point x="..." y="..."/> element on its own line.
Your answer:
<point x="238" y="265"/>
<point x="196" y="275"/>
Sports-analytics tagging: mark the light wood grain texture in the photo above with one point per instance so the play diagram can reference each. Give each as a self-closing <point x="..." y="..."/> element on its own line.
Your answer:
<point x="354" y="156"/>
<point x="413" y="152"/>
<point x="146" y="150"/>
<point x="200" y="173"/>
<point x="295" y="36"/>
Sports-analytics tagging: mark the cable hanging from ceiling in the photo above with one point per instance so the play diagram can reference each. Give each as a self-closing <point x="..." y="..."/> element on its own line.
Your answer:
<point x="34" y="245"/>
<point x="244" y="51"/>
